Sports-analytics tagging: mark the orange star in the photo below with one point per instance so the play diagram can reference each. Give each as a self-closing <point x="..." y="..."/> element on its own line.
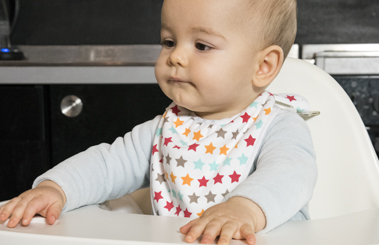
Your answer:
<point x="178" y="122"/>
<point x="173" y="177"/>
<point x="255" y="118"/>
<point x="166" y="176"/>
<point x="223" y="150"/>
<point x="187" y="180"/>
<point x="164" y="115"/>
<point x="187" y="132"/>
<point x="237" y="145"/>
<point x="268" y="111"/>
<point x="210" y="148"/>
<point x="201" y="213"/>
<point x="197" y="135"/>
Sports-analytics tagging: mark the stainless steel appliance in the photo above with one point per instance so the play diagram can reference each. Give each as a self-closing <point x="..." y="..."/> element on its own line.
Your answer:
<point x="356" y="68"/>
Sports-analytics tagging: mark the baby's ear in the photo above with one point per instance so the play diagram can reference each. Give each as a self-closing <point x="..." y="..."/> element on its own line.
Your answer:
<point x="270" y="61"/>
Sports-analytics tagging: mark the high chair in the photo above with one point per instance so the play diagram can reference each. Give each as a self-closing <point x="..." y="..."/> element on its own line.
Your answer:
<point x="344" y="207"/>
<point x="348" y="173"/>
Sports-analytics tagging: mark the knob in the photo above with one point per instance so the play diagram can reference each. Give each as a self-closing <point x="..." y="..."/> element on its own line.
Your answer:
<point x="71" y="106"/>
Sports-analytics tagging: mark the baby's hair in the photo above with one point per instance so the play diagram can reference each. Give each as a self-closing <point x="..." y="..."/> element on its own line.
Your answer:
<point x="278" y="22"/>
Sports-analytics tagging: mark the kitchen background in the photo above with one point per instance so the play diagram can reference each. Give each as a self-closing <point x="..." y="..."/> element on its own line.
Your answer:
<point x="36" y="135"/>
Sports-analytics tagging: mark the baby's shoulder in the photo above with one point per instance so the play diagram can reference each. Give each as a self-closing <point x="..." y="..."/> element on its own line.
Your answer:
<point x="287" y="123"/>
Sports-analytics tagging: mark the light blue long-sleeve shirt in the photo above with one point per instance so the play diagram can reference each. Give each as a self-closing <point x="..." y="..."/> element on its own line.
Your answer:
<point x="281" y="180"/>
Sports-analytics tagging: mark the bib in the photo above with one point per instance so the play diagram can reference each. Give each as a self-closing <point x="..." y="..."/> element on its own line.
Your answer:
<point x="196" y="162"/>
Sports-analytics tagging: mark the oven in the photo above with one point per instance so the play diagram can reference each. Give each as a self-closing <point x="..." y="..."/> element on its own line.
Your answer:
<point x="356" y="68"/>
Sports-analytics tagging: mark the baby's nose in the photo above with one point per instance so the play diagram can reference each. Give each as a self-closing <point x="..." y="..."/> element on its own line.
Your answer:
<point x="179" y="57"/>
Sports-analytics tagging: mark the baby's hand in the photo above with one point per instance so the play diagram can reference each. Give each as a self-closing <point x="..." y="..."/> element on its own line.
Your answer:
<point x="47" y="199"/>
<point x="237" y="218"/>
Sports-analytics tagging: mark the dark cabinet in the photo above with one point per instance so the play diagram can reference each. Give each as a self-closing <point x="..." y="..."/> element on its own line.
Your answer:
<point x="35" y="135"/>
<point x="24" y="142"/>
<point x="108" y="111"/>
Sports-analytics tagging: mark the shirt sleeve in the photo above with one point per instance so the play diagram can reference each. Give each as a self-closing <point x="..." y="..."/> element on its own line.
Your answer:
<point x="106" y="171"/>
<point x="284" y="174"/>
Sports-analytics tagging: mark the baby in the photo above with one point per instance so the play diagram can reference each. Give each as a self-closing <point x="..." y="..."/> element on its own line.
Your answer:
<point x="223" y="154"/>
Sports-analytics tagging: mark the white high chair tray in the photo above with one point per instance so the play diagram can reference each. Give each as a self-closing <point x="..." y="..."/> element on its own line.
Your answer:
<point x="92" y="225"/>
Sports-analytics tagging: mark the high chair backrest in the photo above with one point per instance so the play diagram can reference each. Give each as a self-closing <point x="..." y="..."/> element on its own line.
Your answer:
<point x="348" y="174"/>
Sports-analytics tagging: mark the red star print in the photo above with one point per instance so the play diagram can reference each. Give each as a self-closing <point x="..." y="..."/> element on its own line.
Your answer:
<point x="218" y="178"/>
<point x="193" y="147"/>
<point x="161" y="161"/>
<point x="158" y="196"/>
<point x="169" y="206"/>
<point x="177" y="147"/>
<point x="178" y="210"/>
<point x="155" y="149"/>
<point x="167" y="140"/>
<point x="250" y="141"/>
<point x="245" y="117"/>
<point x="203" y="181"/>
<point x="175" y="110"/>
<point x="270" y="94"/>
<point x="291" y="98"/>
<point x="187" y="214"/>
<point x="235" y="177"/>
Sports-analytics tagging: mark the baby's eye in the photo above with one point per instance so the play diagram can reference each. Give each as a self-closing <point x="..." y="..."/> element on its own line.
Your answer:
<point x="202" y="47"/>
<point x="168" y="43"/>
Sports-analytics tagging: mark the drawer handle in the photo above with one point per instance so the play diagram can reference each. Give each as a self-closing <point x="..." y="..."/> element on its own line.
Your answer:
<point x="71" y="106"/>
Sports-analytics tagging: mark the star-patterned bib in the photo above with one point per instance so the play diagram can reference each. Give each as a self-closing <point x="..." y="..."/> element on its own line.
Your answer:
<point x="196" y="162"/>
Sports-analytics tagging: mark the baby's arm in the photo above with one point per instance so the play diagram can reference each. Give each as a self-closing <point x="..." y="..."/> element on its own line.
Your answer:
<point x="281" y="185"/>
<point x="47" y="199"/>
<point x="101" y="173"/>
<point x="106" y="171"/>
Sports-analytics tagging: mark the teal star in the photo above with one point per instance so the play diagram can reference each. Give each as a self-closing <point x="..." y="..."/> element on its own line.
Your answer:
<point x="183" y="143"/>
<point x="243" y="159"/>
<point x="214" y="166"/>
<point x="259" y="124"/>
<point x="299" y="110"/>
<point x="180" y="196"/>
<point x="173" y="130"/>
<point x="199" y="164"/>
<point x="173" y="193"/>
<point x="254" y="104"/>
<point x="159" y="132"/>
<point x="227" y="161"/>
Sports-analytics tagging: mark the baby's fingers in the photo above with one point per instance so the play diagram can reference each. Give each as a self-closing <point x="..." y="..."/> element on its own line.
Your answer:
<point x="33" y="207"/>
<point x="227" y="232"/>
<point x="53" y="213"/>
<point x="248" y="233"/>
<point x="7" y="209"/>
<point x="195" y="229"/>
<point x="15" y="210"/>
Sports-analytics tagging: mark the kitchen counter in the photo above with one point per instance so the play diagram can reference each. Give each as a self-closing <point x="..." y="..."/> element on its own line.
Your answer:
<point x="117" y="64"/>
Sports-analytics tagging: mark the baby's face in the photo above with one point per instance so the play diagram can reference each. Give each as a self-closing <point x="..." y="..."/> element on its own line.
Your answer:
<point x="207" y="60"/>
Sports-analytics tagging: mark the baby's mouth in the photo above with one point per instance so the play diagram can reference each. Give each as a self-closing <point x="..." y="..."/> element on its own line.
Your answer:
<point x="176" y="80"/>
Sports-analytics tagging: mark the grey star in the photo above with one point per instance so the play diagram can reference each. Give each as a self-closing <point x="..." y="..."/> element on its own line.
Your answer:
<point x="168" y="159"/>
<point x="210" y="197"/>
<point x="226" y="193"/>
<point x="166" y="119"/>
<point x="160" y="178"/>
<point x="193" y="198"/>
<point x="221" y="133"/>
<point x="180" y="161"/>
<point x="247" y="130"/>
<point x="210" y="126"/>
<point x="235" y="134"/>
